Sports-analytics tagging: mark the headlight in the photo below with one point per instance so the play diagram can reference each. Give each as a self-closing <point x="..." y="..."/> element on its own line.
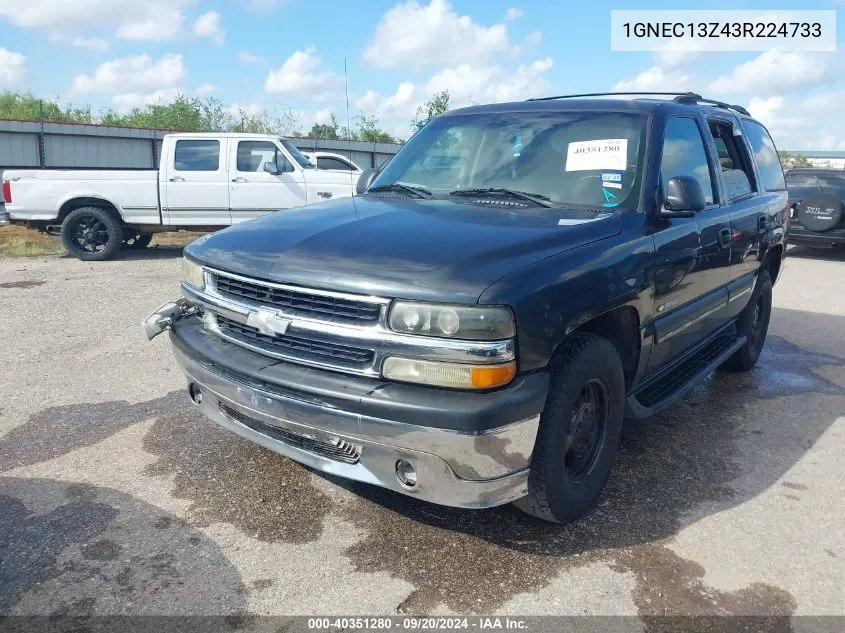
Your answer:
<point x="455" y="375"/>
<point x="192" y="274"/>
<point x="474" y="323"/>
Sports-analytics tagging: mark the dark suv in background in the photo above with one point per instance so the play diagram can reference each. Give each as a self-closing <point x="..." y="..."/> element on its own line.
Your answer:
<point x="816" y="196"/>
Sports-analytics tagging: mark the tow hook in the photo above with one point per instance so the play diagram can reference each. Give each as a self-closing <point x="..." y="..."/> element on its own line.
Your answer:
<point x="168" y="314"/>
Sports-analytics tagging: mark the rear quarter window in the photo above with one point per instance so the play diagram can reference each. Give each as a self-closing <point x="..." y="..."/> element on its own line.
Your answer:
<point x="766" y="154"/>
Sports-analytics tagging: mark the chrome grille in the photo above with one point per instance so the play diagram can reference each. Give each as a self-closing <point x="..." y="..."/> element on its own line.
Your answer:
<point x="297" y="348"/>
<point x="335" y="448"/>
<point x="296" y="302"/>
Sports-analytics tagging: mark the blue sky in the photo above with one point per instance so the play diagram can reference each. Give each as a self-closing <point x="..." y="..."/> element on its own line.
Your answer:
<point x="279" y="54"/>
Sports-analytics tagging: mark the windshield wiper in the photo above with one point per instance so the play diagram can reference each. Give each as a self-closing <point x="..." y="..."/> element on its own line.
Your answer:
<point x="419" y="192"/>
<point x="537" y="198"/>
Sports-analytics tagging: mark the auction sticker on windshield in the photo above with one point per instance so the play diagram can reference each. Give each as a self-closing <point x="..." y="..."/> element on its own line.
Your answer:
<point x="609" y="153"/>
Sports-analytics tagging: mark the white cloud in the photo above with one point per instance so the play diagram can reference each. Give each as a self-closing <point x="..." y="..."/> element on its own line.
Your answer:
<point x="656" y="79"/>
<point x="91" y="43"/>
<point x="208" y="26"/>
<point x="248" y="58"/>
<point x="152" y="20"/>
<point x="808" y="122"/>
<point x="249" y="109"/>
<point x="12" y="67"/>
<point x="300" y="75"/>
<point x="205" y="89"/>
<point x="466" y="84"/>
<point x="128" y="100"/>
<point x="323" y="116"/>
<point x="132" y="75"/>
<point x="513" y="13"/>
<point x="774" y="72"/>
<point x="412" y="35"/>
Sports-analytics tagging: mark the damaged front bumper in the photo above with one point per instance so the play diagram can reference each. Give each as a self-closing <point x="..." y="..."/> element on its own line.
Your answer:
<point x="361" y="428"/>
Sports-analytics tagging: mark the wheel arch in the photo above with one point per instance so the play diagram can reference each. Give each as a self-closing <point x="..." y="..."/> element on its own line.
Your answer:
<point x="77" y="202"/>
<point x="621" y="326"/>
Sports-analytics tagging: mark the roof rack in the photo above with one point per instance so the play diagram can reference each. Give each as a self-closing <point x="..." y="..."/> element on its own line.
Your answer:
<point x="689" y="98"/>
<point x="612" y="94"/>
<point x="693" y="99"/>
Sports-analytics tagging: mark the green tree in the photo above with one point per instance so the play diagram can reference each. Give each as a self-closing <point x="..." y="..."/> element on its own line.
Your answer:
<point x="366" y="129"/>
<point x="24" y="106"/>
<point x="790" y="161"/>
<point x="434" y="107"/>
<point x="330" y="130"/>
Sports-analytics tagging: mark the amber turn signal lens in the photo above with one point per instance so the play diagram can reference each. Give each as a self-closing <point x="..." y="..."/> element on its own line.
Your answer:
<point x="488" y="377"/>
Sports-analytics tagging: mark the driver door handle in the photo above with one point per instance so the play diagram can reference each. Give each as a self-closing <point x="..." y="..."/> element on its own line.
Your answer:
<point x="324" y="194"/>
<point x="177" y="179"/>
<point x="239" y="179"/>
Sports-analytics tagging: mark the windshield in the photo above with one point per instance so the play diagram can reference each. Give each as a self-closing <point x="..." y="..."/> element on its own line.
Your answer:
<point x="576" y="159"/>
<point x="298" y="156"/>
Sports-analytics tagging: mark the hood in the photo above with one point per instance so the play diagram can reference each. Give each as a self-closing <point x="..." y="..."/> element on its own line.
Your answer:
<point x="435" y="250"/>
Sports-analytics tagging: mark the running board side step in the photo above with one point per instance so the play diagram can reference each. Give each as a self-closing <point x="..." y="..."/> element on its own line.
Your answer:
<point x="674" y="381"/>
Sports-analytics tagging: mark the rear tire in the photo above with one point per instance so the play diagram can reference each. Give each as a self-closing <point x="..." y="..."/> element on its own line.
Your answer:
<point x="753" y="323"/>
<point x="92" y="234"/>
<point x="579" y="431"/>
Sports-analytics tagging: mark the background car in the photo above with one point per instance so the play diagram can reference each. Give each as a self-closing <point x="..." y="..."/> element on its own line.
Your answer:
<point x="816" y="199"/>
<point x="331" y="161"/>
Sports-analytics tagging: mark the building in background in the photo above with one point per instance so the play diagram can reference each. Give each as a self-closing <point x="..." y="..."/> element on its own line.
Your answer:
<point x="825" y="159"/>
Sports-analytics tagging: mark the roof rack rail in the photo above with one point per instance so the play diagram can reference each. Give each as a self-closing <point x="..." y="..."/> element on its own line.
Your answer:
<point x="690" y="98"/>
<point x="612" y="94"/>
<point x="693" y="99"/>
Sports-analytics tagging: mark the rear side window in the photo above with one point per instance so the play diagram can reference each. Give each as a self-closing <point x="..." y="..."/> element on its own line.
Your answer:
<point x="734" y="160"/>
<point x="768" y="162"/>
<point x="833" y="183"/>
<point x="327" y="162"/>
<point x="684" y="155"/>
<point x="197" y="155"/>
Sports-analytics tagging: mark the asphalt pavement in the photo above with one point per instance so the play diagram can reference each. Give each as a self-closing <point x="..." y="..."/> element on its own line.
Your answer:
<point x="116" y="497"/>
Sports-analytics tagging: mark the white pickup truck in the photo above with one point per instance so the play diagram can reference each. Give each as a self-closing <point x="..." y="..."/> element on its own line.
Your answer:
<point x="205" y="182"/>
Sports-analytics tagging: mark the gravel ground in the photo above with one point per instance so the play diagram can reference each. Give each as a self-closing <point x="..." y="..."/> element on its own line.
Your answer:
<point x="117" y="498"/>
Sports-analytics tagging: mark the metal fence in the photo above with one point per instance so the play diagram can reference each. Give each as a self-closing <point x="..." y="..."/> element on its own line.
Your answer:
<point x="35" y="144"/>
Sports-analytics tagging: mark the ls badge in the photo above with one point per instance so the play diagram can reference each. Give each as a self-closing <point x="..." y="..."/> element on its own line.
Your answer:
<point x="268" y="322"/>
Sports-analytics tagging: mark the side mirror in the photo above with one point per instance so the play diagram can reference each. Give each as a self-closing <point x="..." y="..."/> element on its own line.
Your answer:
<point x="684" y="198"/>
<point x="365" y="179"/>
<point x="272" y="168"/>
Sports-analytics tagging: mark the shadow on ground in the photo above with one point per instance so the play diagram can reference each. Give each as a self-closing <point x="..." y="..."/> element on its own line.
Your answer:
<point x="74" y="552"/>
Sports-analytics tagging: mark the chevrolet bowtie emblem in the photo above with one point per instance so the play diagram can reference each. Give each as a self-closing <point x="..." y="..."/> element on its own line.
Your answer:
<point x="268" y="322"/>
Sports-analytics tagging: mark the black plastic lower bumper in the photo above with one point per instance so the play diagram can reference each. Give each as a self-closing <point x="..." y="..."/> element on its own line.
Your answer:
<point x="800" y="236"/>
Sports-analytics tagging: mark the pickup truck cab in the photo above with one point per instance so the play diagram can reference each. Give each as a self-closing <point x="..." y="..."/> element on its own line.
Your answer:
<point x="204" y="182"/>
<point x="472" y="328"/>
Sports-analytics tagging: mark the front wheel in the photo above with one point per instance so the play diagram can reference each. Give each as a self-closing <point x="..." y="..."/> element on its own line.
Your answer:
<point x="753" y="324"/>
<point x="579" y="431"/>
<point x="91" y="234"/>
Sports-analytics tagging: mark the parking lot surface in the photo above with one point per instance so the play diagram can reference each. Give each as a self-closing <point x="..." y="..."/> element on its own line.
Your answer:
<point x="116" y="497"/>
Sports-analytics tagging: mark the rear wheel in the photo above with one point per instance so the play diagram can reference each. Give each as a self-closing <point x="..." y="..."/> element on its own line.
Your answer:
<point x="753" y="324"/>
<point x="579" y="432"/>
<point x="91" y="234"/>
<point x="137" y="240"/>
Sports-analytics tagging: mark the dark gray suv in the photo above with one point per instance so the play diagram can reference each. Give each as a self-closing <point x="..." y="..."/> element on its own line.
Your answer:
<point x="816" y="196"/>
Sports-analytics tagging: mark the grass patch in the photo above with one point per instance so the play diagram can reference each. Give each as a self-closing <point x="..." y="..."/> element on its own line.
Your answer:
<point x="18" y="241"/>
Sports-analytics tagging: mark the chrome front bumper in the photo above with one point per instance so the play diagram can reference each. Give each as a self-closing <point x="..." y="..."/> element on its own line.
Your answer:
<point x="468" y="470"/>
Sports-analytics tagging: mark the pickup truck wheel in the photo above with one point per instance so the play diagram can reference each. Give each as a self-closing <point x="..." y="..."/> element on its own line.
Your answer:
<point x="137" y="240"/>
<point x="579" y="431"/>
<point x="91" y="234"/>
<point x="753" y="323"/>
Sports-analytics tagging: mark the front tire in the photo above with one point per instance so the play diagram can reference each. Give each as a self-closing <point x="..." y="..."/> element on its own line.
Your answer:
<point x="92" y="234"/>
<point x="579" y="431"/>
<point x="753" y="323"/>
